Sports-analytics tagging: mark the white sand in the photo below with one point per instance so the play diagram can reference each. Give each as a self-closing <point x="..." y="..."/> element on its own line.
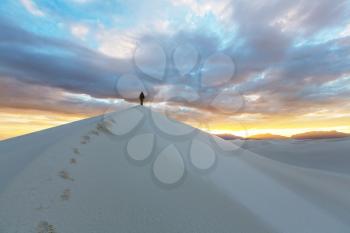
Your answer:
<point x="125" y="173"/>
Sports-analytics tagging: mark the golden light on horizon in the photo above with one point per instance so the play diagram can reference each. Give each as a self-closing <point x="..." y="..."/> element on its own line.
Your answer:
<point x="281" y="125"/>
<point x="280" y="129"/>
<point x="22" y="122"/>
<point x="18" y="122"/>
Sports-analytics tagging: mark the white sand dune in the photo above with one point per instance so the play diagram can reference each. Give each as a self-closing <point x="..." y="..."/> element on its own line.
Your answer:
<point x="325" y="154"/>
<point x="137" y="171"/>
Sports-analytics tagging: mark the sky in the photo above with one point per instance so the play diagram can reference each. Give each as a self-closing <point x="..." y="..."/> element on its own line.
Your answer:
<point x="230" y="66"/>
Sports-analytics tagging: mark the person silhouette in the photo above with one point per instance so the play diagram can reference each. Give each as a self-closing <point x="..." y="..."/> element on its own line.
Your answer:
<point x="141" y="97"/>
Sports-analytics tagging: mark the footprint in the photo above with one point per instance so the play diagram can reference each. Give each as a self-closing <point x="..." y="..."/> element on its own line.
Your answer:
<point x="65" y="196"/>
<point x="65" y="175"/>
<point x="85" y="139"/>
<point x="40" y="208"/>
<point x="45" y="227"/>
<point x="94" y="132"/>
<point x="100" y="127"/>
<point x="76" y="151"/>
<point x="73" y="161"/>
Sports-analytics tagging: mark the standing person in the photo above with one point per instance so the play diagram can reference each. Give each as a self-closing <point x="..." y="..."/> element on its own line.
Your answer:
<point x="142" y="97"/>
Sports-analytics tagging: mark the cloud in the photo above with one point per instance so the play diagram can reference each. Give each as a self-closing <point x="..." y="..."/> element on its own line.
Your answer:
<point x="79" y="30"/>
<point x="346" y="31"/>
<point x="200" y="9"/>
<point x="279" y="49"/>
<point x="115" y="43"/>
<point x="16" y="94"/>
<point x="32" y="8"/>
<point x="82" y="1"/>
<point x="121" y="43"/>
<point x="57" y="63"/>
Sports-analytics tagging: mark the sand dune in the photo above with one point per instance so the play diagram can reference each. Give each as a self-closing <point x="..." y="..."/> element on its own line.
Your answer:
<point x="137" y="171"/>
<point x="320" y="135"/>
<point x="301" y="136"/>
<point x="267" y="136"/>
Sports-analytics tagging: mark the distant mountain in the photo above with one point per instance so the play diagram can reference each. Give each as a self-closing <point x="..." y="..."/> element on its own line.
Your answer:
<point x="268" y="136"/>
<point x="320" y="135"/>
<point x="229" y="136"/>
<point x="301" y="136"/>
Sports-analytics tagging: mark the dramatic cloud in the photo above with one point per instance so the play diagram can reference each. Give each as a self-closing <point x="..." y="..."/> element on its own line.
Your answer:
<point x="290" y="57"/>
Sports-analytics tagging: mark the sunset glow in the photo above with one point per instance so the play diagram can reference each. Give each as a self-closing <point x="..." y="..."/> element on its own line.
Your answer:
<point x="236" y="67"/>
<point x="28" y="121"/>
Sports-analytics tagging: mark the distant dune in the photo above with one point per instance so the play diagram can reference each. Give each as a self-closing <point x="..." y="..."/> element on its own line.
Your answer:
<point x="229" y="136"/>
<point x="267" y="136"/>
<point x="301" y="136"/>
<point x="320" y="135"/>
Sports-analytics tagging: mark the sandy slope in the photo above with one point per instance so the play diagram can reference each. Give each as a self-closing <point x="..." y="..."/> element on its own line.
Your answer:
<point x="325" y="154"/>
<point x="135" y="171"/>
